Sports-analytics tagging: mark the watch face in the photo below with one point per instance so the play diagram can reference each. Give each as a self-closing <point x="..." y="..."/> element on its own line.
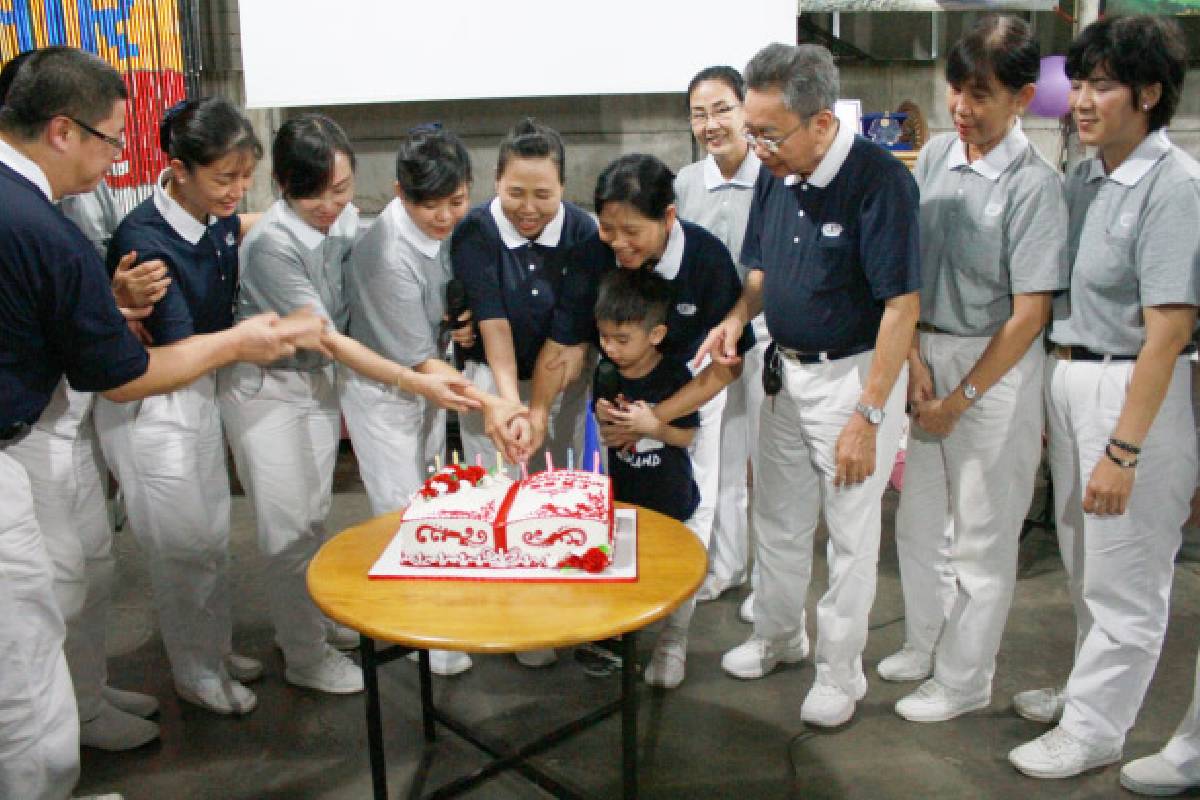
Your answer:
<point x="969" y="391"/>
<point x="875" y="416"/>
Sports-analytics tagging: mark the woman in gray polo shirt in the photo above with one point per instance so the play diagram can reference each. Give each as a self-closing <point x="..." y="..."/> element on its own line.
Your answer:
<point x="993" y="248"/>
<point x="1117" y="387"/>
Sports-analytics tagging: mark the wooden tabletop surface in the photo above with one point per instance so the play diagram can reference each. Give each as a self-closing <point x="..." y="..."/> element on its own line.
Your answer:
<point x="501" y="616"/>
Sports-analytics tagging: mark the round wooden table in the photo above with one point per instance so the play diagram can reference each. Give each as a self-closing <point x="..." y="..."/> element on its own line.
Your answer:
<point x="481" y="616"/>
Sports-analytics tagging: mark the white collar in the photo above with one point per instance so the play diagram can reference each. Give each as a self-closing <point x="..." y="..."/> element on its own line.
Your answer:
<point x="512" y="237"/>
<point x="26" y="167"/>
<point x="309" y="236"/>
<point x="746" y="175"/>
<point x="992" y="165"/>
<point x="831" y="162"/>
<point x="672" y="257"/>
<point x="398" y="215"/>
<point x="187" y="226"/>
<point x="1138" y="163"/>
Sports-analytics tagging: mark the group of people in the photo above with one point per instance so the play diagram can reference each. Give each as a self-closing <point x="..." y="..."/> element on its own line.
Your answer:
<point x="776" y="309"/>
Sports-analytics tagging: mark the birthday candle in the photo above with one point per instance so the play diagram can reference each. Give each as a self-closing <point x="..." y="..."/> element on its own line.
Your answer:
<point x="570" y="458"/>
<point x="549" y="462"/>
<point x="499" y="463"/>
<point x="524" y="472"/>
<point x="479" y="460"/>
<point x="437" y="463"/>
<point x="454" y="455"/>
<point x="595" y="461"/>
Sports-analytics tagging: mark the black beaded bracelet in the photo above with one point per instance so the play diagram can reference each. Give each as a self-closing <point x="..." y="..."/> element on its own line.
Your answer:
<point x="1120" y="462"/>
<point x="1126" y="446"/>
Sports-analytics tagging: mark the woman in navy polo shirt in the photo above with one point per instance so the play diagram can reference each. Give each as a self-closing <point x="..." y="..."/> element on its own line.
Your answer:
<point x="168" y="451"/>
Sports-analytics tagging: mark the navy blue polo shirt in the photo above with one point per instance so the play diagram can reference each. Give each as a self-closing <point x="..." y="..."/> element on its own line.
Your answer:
<point x="696" y="264"/>
<point x="508" y="277"/>
<point x="203" y="266"/>
<point x="657" y="475"/>
<point x="831" y="255"/>
<point x="57" y="313"/>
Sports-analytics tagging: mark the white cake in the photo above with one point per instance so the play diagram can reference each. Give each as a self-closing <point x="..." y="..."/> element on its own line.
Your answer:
<point x="463" y="517"/>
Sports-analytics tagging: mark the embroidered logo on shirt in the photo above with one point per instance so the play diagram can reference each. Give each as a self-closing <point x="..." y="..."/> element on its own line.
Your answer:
<point x="1126" y="219"/>
<point x="686" y="309"/>
<point x="831" y="229"/>
<point x="230" y="239"/>
<point x="993" y="209"/>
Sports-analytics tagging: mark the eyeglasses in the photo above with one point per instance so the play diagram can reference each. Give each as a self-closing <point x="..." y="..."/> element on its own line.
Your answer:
<point x="771" y="145"/>
<point x="111" y="141"/>
<point x="718" y="114"/>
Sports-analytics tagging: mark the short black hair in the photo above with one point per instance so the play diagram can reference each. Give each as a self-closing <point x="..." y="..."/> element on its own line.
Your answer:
<point x="431" y="164"/>
<point x="200" y="132"/>
<point x="641" y="180"/>
<point x="303" y="152"/>
<point x="60" y="82"/>
<point x="639" y="296"/>
<point x="997" y="45"/>
<point x="9" y="73"/>
<point x="722" y="74"/>
<point x="1136" y="51"/>
<point x="531" y="139"/>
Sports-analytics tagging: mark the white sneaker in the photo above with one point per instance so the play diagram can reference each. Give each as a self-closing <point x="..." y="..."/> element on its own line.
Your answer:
<point x="712" y="588"/>
<point x="667" y="662"/>
<point x="115" y="730"/>
<point x="907" y="664"/>
<point x="746" y="609"/>
<point x="445" y="662"/>
<point x="142" y="705"/>
<point x="218" y="695"/>
<point x="537" y="658"/>
<point x="1058" y="754"/>
<point x="1040" y="705"/>
<point x="333" y="672"/>
<point x="243" y="668"/>
<point x="828" y="706"/>
<point x="936" y="702"/>
<point x="1157" y="777"/>
<point x="341" y="637"/>
<point x="757" y="656"/>
<point x="109" y="796"/>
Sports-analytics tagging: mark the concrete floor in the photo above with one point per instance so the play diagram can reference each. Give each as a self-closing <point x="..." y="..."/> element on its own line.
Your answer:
<point x="714" y="737"/>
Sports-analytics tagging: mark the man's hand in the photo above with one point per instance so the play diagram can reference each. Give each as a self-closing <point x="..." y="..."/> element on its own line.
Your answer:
<point x="141" y="286"/>
<point x="937" y="416"/>
<point x="304" y="329"/>
<point x="721" y="343"/>
<point x="539" y="423"/>
<point x="920" y="382"/>
<point x="506" y="422"/>
<point x="463" y="335"/>
<point x="1108" y="489"/>
<point x="442" y="389"/>
<point x="855" y="452"/>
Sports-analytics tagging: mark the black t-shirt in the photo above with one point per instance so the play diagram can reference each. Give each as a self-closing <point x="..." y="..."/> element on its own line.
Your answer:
<point x="657" y="475"/>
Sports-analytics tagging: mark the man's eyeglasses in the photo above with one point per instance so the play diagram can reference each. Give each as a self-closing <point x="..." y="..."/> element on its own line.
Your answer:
<point x="111" y="141"/>
<point x="768" y="143"/>
<point x="718" y="114"/>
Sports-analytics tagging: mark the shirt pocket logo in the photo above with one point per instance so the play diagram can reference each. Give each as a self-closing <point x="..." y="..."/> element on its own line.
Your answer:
<point x="686" y="309"/>
<point x="230" y="239"/>
<point x="831" y="229"/>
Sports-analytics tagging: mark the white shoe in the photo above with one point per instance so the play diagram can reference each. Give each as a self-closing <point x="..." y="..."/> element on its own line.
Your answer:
<point x="712" y="588"/>
<point x="136" y="703"/>
<point x="1058" y="754"/>
<point x="218" y="695"/>
<point x="937" y="702"/>
<point x="1157" y="777"/>
<point x="445" y="662"/>
<point x="757" y="656"/>
<point x="907" y="664"/>
<point x="746" y="609"/>
<point x="109" y="796"/>
<point x="667" y="662"/>
<point x="243" y="668"/>
<point x="1040" y="705"/>
<point x="115" y="730"/>
<point x="828" y="706"/>
<point x="333" y="673"/>
<point x="537" y="658"/>
<point x="341" y="637"/>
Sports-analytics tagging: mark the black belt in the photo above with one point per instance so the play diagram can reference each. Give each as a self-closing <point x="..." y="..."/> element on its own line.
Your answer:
<point x="14" y="432"/>
<point x="1077" y="352"/>
<point x="929" y="327"/>
<point x="817" y="356"/>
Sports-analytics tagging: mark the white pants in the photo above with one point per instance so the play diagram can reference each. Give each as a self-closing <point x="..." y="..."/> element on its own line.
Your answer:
<point x="395" y="435"/>
<point x="565" y="428"/>
<point x="705" y="452"/>
<point x="168" y="453"/>
<point x="39" y="724"/>
<point x="284" y="427"/>
<point x="729" y="555"/>
<point x="1119" y="568"/>
<point x="797" y="441"/>
<point x="62" y="459"/>
<point x="959" y="522"/>
<point x="1184" y="748"/>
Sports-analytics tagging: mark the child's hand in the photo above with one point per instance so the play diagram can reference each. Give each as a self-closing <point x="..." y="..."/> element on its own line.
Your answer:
<point x="611" y="434"/>
<point x="636" y="418"/>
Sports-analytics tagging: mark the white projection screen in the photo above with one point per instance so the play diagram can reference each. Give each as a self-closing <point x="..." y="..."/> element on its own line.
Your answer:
<point x="317" y="52"/>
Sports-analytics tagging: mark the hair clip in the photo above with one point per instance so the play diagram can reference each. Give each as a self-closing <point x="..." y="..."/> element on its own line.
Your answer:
<point x="425" y="127"/>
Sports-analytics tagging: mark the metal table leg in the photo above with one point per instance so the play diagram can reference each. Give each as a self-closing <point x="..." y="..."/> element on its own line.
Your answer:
<point x="374" y="722"/>
<point x="629" y="704"/>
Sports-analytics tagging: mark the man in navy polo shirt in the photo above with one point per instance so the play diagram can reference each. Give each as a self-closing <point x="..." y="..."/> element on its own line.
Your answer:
<point x="832" y="250"/>
<point x="61" y="129"/>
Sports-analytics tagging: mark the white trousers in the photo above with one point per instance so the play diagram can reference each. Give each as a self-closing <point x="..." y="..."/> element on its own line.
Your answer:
<point x="797" y="461"/>
<point x="395" y="435"/>
<point x="705" y="452"/>
<point x="565" y="428"/>
<point x="1184" y="748"/>
<point x="959" y="522"/>
<point x="729" y="555"/>
<point x="39" y="724"/>
<point x="168" y="453"/>
<point x="1119" y="568"/>
<point x="283" y="427"/>
<point x="62" y="459"/>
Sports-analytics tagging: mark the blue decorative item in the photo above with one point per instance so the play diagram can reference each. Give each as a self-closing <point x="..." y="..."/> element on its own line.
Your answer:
<point x="886" y="129"/>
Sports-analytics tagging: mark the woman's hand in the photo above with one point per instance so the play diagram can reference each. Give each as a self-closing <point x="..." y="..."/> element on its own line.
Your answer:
<point x="936" y="416"/>
<point x="140" y="286"/>
<point x="442" y="389"/>
<point x="1108" y="489"/>
<point x="506" y="423"/>
<point x="920" y="382"/>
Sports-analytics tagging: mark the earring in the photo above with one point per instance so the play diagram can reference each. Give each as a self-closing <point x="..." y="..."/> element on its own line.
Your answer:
<point x="1145" y="106"/>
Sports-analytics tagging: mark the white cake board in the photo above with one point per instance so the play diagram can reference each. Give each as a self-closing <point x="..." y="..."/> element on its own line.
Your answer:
<point x="622" y="570"/>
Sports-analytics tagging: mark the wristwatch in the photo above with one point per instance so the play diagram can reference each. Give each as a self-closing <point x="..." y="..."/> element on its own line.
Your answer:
<point x="970" y="391"/>
<point x="872" y="414"/>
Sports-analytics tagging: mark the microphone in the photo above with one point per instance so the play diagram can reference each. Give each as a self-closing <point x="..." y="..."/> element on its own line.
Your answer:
<point x="456" y="304"/>
<point x="606" y="384"/>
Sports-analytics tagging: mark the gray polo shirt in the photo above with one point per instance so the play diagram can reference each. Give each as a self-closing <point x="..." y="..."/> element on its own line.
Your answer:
<point x="96" y="214"/>
<point x="990" y="229"/>
<point x="287" y="264"/>
<point x="398" y="288"/>
<point x="1134" y="242"/>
